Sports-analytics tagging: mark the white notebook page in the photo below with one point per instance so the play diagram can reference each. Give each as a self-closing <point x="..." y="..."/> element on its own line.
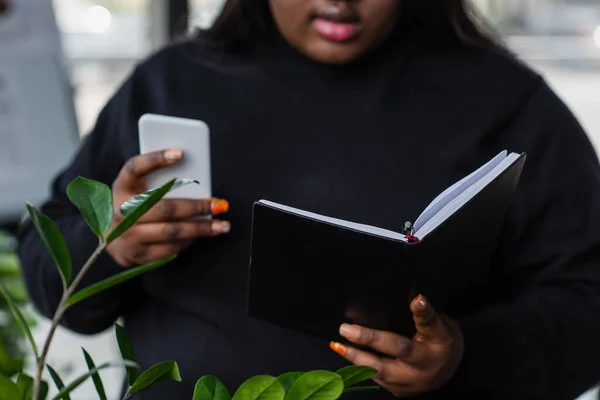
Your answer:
<point x="440" y="209"/>
<point x="455" y="190"/>
<point x="465" y="196"/>
<point x="339" y="222"/>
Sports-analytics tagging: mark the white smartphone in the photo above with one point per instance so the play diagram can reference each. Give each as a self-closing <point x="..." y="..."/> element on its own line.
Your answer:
<point x="161" y="132"/>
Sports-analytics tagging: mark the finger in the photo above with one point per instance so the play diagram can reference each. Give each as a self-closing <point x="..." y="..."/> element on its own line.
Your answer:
<point x="137" y="167"/>
<point x="387" y="343"/>
<point x="144" y="254"/>
<point x="186" y="230"/>
<point x="178" y="209"/>
<point x="388" y="371"/>
<point x="428" y="323"/>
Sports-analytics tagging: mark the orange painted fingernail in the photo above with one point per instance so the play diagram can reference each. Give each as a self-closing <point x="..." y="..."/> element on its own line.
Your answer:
<point x="173" y="155"/>
<point x="338" y="348"/>
<point x="219" y="206"/>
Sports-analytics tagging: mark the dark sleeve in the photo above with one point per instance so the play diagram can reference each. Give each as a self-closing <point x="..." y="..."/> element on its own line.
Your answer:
<point x="541" y="337"/>
<point x="100" y="157"/>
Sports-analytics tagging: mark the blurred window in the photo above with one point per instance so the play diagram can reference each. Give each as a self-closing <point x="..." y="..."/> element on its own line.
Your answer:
<point x="203" y="12"/>
<point x="102" y="40"/>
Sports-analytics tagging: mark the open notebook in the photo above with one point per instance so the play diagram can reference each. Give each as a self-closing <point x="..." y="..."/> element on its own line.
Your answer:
<point x="310" y="272"/>
<point x="438" y="211"/>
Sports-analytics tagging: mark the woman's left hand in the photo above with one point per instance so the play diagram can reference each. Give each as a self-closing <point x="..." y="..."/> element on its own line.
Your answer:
<point x="416" y="366"/>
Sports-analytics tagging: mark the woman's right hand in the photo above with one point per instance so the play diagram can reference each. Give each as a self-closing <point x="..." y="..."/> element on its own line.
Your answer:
<point x="166" y="229"/>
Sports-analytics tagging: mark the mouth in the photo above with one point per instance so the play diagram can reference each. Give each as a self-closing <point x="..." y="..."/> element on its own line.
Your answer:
<point x="336" y="24"/>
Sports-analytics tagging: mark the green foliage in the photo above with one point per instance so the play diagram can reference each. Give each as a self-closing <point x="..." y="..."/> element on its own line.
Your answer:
<point x="261" y="387"/>
<point x="168" y="370"/>
<point x="54" y="241"/>
<point x="317" y="385"/>
<point x="18" y="315"/>
<point x="94" y="200"/>
<point x="25" y="386"/>
<point x="66" y="390"/>
<point x="95" y="377"/>
<point x="127" y="352"/>
<point x="312" y="385"/>
<point x="352" y="374"/>
<point x="288" y="379"/>
<point x="9" y="389"/>
<point x="135" y="208"/>
<point x="57" y="381"/>
<point x="210" y="388"/>
<point x="116" y="280"/>
<point x="12" y="328"/>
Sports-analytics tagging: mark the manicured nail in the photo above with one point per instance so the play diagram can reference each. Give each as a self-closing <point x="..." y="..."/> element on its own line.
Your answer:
<point x="338" y="348"/>
<point x="350" y="331"/>
<point x="173" y="155"/>
<point x="219" y="206"/>
<point x="221" y="227"/>
<point x="422" y="301"/>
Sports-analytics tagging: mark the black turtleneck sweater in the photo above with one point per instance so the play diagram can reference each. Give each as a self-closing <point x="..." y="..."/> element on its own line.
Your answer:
<point x="371" y="142"/>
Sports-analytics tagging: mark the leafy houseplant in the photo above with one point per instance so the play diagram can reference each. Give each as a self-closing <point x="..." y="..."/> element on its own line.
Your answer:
<point x="95" y="203"/>
<point x="12" y="353"/>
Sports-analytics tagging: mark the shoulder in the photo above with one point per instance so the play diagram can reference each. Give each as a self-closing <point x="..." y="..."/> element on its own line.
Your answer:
<point x="489" y="85"/>
<point x="493" y="75"/>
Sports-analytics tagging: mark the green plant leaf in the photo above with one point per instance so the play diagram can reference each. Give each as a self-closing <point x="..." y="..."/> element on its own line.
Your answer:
<point x="57" y="381"/>
<point x="361" y="389"/>
<point x="261" y="387"/>
<point x="210" y="388"/>
<point x="96" y="377"/>
<point x="18" y="317"/>
<point x="54" y="241"/>
<point x="9" y="265"/>
<point x="16" y="288"/>
<point x="95" y="203"/>
<point x="168" y="370"/>
<point x="288" y="379"/>
<point x="117" y="279"/>
<point x="43" y="390"/>
<point x="10" y="363"/>
<point x="317" y="385"/>
<point x="353" y="374"/>
<point x="64" y="392"/>
<point x="9" y="389"/>
<point x="25" y="386"/>
<point x="136" y="207"/>
<point x="127" y="352"/>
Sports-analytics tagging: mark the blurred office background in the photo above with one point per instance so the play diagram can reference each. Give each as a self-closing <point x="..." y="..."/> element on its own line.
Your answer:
<point x="102" y="40"/>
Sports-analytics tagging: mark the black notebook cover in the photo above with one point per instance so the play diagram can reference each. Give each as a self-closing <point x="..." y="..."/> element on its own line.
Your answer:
<point x="311" y="276"/>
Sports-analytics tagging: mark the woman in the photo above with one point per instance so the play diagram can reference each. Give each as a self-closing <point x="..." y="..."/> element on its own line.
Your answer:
<point x="306" y="99"/>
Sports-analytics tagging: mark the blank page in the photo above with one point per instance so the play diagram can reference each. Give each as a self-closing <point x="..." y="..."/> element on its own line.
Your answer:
<point x="455" y="190"/>
<point x="465" y="196"/>
<point x="338" y="222"/>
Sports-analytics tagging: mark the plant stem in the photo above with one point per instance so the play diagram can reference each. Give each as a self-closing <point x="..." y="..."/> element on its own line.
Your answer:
<point x="60" y="312"/>
<point x="127" y="394"/>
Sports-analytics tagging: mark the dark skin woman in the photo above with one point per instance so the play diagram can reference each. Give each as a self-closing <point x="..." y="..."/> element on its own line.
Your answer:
<point x="362" y="110"/>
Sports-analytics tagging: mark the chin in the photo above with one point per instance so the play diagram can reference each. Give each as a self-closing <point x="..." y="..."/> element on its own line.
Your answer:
<point x="333" y="54"/>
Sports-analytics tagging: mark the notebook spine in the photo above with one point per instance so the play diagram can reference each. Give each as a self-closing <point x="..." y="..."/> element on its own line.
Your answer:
<point x="408" y="232"/>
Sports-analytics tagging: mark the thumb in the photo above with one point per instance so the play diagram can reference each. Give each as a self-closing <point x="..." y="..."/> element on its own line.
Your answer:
<point x="429" y="325"/>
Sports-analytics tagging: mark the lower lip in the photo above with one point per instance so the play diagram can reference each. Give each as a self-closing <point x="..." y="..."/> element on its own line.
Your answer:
<point x="336" y="31"/>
